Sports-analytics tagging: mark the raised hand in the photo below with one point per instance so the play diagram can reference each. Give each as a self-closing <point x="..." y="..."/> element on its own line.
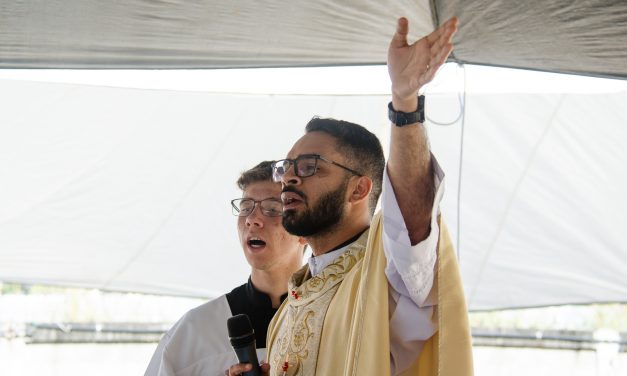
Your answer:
<point x="411" y="66"/>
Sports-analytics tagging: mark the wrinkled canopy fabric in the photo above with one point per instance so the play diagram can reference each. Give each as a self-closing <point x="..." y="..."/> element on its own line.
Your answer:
<point x="569" y="36"/>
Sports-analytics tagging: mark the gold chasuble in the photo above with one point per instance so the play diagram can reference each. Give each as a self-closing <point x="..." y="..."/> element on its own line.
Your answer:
<point x="337" y="323"/>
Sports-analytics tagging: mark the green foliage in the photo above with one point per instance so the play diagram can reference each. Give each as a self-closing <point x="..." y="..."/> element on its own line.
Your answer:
<point x="13" y="288"/>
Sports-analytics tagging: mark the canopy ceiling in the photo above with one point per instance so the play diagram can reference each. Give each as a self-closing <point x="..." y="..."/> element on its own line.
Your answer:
<point x="128" y="189"/>
<point x="570" y="36"/>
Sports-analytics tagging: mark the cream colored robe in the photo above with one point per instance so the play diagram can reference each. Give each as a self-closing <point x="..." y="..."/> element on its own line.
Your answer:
<point x="337" y="323"/>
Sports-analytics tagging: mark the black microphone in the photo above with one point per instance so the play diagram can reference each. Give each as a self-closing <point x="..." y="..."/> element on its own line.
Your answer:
<point x="242" y="338"/>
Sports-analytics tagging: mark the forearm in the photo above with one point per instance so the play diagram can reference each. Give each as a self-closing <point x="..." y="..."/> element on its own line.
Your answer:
<point x="411" y="173"/>
<point x="411" y="66"/>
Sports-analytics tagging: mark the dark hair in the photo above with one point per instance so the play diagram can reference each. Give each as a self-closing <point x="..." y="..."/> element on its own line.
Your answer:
<point x="260" y="173"/>
<point x="361" y="147"/>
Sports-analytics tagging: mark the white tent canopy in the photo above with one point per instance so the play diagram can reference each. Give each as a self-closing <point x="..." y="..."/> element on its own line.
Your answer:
<point x="127" y="189"/>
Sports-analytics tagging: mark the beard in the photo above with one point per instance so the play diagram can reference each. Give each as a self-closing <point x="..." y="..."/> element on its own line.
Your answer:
<point x="320" y="219"/>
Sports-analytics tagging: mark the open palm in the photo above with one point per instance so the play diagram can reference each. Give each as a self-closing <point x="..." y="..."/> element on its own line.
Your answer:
<point x="411" y="66"/>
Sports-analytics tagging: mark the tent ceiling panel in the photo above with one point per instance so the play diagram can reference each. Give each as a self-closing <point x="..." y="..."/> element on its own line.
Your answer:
<point x="580" y="36"/>
<point x="201" y="34"/>
<point x="568" y="36"/>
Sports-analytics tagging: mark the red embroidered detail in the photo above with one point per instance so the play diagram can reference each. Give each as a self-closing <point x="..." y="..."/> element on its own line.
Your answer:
<point x="294" y="294"/>
<point x="286" y="365"/>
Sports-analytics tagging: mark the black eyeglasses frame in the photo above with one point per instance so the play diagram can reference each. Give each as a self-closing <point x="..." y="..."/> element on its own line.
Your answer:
<point x="294" y="162"/>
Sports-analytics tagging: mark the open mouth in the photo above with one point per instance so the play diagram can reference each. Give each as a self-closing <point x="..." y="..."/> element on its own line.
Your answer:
<point x="290" y="200"/>
<point x="256" y="243"/>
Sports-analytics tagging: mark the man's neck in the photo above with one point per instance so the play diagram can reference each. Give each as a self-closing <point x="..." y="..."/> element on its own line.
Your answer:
<point x="328" y="241"/>
<point x="273" y="284"/>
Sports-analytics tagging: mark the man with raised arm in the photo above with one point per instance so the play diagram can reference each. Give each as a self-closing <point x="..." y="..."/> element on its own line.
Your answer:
<point x="381" y="294"/>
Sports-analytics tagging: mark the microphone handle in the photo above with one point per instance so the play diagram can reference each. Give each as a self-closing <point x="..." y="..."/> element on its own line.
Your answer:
<point x="248" y="354"/>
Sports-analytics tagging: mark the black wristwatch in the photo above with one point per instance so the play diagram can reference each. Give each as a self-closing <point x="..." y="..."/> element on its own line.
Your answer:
<point x="401" y="119"/>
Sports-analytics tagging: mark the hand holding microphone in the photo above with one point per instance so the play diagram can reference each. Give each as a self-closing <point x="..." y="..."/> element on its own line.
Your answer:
<point x="242" y="337"/>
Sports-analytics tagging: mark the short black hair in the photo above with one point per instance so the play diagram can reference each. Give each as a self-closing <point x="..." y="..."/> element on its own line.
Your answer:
<point x="260" y="173"/>
<point x="361" y="147"/>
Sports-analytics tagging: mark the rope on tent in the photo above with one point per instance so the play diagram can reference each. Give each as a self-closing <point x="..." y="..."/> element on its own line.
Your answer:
<point x="461" y="97"/>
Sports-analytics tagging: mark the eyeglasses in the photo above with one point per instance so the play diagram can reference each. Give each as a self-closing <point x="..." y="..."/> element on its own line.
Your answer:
<point x="270" y="207"/>
<point x="304" y="166"/>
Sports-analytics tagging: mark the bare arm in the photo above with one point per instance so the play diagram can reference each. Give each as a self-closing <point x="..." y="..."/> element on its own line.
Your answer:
<point x="411" y="66"/>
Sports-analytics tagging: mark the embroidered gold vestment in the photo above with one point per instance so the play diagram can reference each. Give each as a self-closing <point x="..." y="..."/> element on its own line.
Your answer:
<point x="337" y="323"/>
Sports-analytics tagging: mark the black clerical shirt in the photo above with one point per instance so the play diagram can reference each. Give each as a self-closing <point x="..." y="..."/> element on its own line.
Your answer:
<point x="257" y="305"/>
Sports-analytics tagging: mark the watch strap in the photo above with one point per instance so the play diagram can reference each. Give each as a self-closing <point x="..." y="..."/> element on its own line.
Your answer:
<point x="401" y="119"/>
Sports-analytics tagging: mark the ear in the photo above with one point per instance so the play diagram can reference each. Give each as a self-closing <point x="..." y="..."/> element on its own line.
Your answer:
<point x="360" y="190"/>
<point x="302" y="240"/>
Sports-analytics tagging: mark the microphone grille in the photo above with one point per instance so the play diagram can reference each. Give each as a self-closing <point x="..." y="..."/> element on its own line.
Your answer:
<point x="239" y="325"/>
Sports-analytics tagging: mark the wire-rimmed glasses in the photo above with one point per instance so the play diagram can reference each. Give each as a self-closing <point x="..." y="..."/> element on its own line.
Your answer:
<point x="270" y="207"/>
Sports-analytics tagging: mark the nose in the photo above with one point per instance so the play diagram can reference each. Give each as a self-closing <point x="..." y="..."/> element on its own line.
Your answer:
<point x="290" y="178"/>
<point x="255" y="218"/>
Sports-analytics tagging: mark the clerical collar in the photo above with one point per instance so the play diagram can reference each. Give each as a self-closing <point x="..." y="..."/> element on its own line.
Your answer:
<point x="317" y="263"/>
<point x="257" y="305"/>
<point x="259" y="298"/>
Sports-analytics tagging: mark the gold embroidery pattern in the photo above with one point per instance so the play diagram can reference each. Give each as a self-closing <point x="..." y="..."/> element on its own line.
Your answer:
<point x="332" y="274"/>
<point x="296" y="346"/>
<point x="298" y="339"/>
